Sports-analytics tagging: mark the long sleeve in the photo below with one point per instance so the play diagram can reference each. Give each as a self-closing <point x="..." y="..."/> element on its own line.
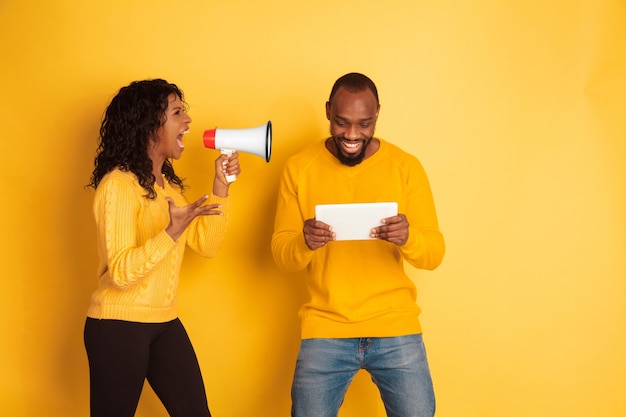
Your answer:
<point x="425" y="247"/>
<point x="356" y="288"/>
<point x="206" y="233"/>
<point x="126" y="253"/>
<point x="288" y="247"/>
<point x="139" y="266"/>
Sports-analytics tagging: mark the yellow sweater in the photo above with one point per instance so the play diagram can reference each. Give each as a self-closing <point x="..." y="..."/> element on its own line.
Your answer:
<point x="356" y="288"/>
<point x="138" y="272"/>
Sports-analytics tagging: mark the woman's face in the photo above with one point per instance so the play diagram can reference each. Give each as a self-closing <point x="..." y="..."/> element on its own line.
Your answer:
<point x="169" y="137"/>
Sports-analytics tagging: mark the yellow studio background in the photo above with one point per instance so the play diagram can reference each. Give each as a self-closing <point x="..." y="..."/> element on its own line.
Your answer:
<point x="516" y="109"/>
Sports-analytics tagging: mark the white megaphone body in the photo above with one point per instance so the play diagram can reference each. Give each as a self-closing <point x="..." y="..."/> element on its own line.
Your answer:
<point x="255" y="140"/>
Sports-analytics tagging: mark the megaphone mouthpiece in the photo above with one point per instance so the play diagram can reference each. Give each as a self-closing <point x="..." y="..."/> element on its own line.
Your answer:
<point x="209" y="138"/>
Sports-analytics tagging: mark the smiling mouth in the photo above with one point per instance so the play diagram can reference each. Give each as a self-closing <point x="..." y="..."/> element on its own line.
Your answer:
<point x="351" y="146"/>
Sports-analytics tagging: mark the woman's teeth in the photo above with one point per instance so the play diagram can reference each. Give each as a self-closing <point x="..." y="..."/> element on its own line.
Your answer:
<point x="179" y="140"/>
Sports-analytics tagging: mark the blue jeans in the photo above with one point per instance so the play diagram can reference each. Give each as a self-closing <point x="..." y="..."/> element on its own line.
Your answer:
<point x="397" y="365"/>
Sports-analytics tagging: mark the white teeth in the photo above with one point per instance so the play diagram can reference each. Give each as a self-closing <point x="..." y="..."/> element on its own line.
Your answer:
<point x="351" y="144"/>
<point x="179" y="140"/>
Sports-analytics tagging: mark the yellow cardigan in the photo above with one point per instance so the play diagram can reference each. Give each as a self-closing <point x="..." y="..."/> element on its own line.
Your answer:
<point x="138" y="271"/>
<point x="356" y="288"/>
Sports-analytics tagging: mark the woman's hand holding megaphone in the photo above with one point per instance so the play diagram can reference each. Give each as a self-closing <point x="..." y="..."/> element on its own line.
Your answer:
<point x="226" y="165"/>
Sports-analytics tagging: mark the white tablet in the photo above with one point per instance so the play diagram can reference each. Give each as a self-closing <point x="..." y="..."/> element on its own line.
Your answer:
<point x="354" y="221"/>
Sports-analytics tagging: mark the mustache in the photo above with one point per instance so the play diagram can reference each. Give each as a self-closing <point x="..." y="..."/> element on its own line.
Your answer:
<point x="353" y="159"/>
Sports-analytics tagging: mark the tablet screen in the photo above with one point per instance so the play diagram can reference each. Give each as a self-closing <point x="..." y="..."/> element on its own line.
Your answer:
<point x="354" y="221"/>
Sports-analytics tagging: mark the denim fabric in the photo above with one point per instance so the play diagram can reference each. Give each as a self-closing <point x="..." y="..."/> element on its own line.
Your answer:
<point x="397" y="365"/>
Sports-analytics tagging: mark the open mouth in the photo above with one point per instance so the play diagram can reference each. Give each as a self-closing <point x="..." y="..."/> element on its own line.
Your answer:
<point x="179" y="139"/>
<point x="351" y="146"/>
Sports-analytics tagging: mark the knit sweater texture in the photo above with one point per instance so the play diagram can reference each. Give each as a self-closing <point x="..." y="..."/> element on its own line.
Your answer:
<point x="139" y="266"/>
<point x="356" y="288"/>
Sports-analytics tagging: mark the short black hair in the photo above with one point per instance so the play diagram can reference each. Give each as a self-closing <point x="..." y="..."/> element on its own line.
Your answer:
<point x="354" y="82"/>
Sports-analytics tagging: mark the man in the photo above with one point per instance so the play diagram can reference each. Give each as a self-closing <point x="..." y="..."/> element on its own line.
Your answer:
<point x="361" y="312"/>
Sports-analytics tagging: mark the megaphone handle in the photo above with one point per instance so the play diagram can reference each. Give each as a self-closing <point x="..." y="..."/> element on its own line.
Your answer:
<point x="229" y="152"/>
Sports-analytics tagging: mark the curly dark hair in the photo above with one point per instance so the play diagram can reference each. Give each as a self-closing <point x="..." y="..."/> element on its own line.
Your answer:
<point x="130" y="122"/>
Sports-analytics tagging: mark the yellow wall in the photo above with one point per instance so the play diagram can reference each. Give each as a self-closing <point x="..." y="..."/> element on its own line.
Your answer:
<point x="516" y="109"/>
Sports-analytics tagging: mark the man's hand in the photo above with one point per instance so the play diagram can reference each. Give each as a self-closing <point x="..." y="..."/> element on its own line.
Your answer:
<point x="395" y="230"/>
<point x="181" y="217"/>
<point x="317" y="234"/>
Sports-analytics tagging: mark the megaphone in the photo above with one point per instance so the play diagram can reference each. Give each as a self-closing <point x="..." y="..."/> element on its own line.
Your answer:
<point x="255" y="140"/>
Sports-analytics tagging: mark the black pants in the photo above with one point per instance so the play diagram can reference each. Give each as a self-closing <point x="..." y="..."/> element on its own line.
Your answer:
<point x="123" y="354"/>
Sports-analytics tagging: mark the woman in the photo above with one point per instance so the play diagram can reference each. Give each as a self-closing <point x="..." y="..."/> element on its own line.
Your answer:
<point x="132" y="331"/>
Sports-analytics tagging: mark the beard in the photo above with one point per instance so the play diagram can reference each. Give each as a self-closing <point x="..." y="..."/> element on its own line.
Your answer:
<point x="350" y="159"/>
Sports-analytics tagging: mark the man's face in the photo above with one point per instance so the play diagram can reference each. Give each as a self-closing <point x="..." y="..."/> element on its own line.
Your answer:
<point x="352" y="117"/>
